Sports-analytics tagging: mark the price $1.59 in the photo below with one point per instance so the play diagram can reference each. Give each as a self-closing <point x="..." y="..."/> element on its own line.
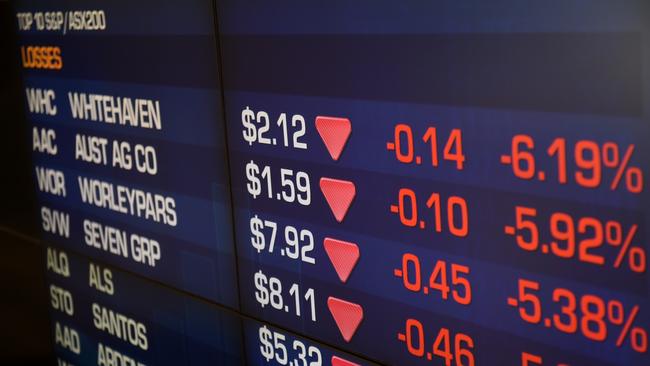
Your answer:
<point x="295" y="186"/>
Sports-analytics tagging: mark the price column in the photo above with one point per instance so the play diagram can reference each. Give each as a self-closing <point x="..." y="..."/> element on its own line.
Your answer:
<point x="279" y="184"/>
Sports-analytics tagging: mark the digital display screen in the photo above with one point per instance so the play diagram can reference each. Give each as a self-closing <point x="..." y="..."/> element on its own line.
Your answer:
<point x="342" y="183"/>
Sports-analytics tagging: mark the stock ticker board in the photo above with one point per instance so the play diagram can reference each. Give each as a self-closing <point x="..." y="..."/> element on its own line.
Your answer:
<point x="342" y="183"/>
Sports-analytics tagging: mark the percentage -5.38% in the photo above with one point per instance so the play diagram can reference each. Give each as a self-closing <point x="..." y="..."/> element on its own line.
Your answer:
<point x="586" y="163"/>
<point x="588" y="315"/>
<point x="585" y="239"/>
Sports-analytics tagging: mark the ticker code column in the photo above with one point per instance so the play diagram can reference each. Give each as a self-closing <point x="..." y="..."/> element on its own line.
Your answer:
<point x="128" y="137"/>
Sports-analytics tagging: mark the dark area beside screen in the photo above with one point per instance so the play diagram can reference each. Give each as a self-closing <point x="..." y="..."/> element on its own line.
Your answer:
<point x="16" y="187"/>
<point x="24" y="304"/>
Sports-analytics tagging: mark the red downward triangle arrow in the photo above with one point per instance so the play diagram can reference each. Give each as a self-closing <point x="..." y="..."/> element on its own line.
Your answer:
<point x="338" y="361"/>
<point x="335" y="132"/>
<point x="347" y="316"/>
<point x="343" y="255"/>
<point x="339" y="195"/>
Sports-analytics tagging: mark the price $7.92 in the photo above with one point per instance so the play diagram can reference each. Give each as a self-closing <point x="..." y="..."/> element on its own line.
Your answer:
<point x="298" y="243"/>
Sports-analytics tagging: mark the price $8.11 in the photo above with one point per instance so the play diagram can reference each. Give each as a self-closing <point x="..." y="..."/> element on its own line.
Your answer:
<point x="298" y="244"/>
<point x="273" y="347"/>
<point x="295" y="186"/>
<point x="269" y="291"/>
